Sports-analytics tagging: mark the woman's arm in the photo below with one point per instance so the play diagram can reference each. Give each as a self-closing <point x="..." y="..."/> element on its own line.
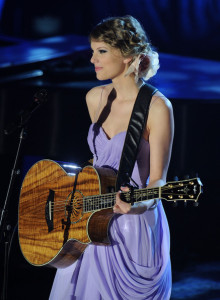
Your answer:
<point x="159" y="130"/>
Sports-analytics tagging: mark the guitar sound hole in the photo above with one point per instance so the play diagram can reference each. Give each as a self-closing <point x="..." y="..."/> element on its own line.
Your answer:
<point x="74" y="206"/>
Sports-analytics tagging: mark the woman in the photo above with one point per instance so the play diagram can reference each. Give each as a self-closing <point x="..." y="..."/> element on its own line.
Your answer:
<point x="137" y="264"/>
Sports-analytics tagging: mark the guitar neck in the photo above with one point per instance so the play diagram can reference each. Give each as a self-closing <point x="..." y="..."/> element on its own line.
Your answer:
<point x="97" y="202"/>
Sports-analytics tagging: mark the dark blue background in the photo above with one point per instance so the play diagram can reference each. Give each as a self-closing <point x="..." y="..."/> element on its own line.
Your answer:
<point x="186" y="27"/>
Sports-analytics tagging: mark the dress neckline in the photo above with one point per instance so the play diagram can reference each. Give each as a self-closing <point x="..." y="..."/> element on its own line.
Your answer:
<point x="107" y="136"/>
<point x="117" y="134"/>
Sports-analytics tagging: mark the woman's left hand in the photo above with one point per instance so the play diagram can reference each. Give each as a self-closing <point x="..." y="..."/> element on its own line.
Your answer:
<point x="120" y="206"/>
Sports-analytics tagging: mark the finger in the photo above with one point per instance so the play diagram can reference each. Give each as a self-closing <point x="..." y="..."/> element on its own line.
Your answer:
<point x="116" y="209"/>
<point x="124" y="188"/>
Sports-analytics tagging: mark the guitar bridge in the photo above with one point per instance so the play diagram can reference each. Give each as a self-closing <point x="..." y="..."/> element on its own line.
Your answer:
<point x="49" y="210"/>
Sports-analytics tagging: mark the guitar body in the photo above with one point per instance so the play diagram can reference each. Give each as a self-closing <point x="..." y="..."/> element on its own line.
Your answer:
<point x="51" y="234"/>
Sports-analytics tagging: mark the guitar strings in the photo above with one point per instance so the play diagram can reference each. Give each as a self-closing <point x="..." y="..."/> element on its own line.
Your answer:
<point x="92" y="205"/>
<point x="89" y="205"/>
<point x="99" y="200"/>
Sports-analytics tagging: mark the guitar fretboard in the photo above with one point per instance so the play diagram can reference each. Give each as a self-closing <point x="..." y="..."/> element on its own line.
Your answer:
<point x="103" y="201"/>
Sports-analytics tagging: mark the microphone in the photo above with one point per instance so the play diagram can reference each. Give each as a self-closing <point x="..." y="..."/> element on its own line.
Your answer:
<point x="39" y="98"/>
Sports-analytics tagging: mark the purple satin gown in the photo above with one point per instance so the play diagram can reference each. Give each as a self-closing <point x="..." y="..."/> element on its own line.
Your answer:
<point x="137" y="264"/>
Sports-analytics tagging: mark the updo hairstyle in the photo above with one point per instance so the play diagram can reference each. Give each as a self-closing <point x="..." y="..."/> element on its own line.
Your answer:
<point x="127" y="35"/>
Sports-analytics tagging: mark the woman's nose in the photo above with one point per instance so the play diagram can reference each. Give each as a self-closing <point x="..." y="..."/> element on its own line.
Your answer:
<point x="93" y="59"/>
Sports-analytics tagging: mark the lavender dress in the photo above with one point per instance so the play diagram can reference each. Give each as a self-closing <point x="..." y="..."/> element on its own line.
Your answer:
<point x="137" y="264"/>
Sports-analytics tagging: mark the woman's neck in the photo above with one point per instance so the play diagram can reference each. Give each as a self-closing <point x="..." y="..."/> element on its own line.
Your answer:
<point x="126" y="88"/>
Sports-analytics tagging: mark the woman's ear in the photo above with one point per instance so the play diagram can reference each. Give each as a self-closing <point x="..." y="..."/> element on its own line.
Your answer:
<point x="128" y="60"/>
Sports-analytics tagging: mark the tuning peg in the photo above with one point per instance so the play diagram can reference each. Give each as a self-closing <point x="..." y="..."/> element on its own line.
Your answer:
<point x="185" y="204"/>
<point x="196" y="204"/>
<point x="175" y="204"/>
<point x="175" y="178"/>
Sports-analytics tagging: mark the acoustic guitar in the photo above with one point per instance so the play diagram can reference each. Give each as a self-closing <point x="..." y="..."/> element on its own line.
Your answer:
<point x="60" y="214"/>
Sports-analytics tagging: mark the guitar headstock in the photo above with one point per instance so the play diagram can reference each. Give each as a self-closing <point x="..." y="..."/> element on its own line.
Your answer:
<point x="184" y="190"/>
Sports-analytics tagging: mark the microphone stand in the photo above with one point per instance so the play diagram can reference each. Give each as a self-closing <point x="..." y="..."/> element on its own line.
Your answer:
<point x="5" y="228"/>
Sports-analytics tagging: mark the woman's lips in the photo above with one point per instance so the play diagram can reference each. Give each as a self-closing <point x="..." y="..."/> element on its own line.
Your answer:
<point x="97" y="69"/>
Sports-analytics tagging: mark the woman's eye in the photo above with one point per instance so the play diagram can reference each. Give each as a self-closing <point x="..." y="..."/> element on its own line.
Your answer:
<point x="102" y="51"/>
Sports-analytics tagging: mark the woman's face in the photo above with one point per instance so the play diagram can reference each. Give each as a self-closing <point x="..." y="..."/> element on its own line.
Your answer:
<point x="108" y="61"/>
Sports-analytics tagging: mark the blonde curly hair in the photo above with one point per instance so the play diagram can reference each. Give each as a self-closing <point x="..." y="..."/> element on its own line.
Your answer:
<point x="127" y="34"/>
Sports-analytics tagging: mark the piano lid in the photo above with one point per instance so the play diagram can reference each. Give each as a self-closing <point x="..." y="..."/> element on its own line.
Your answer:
<point x="30" y="52"/>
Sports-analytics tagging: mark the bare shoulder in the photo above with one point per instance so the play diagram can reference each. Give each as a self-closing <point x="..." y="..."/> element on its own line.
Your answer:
<point x="93" y="95"/>
<point x="160" y="109"/>
<point x="160" y="102"/>
<point x="93" y="98"/>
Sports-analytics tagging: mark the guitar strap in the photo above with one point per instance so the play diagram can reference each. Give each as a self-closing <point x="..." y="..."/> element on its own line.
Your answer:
<point x="134" y="133"/>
